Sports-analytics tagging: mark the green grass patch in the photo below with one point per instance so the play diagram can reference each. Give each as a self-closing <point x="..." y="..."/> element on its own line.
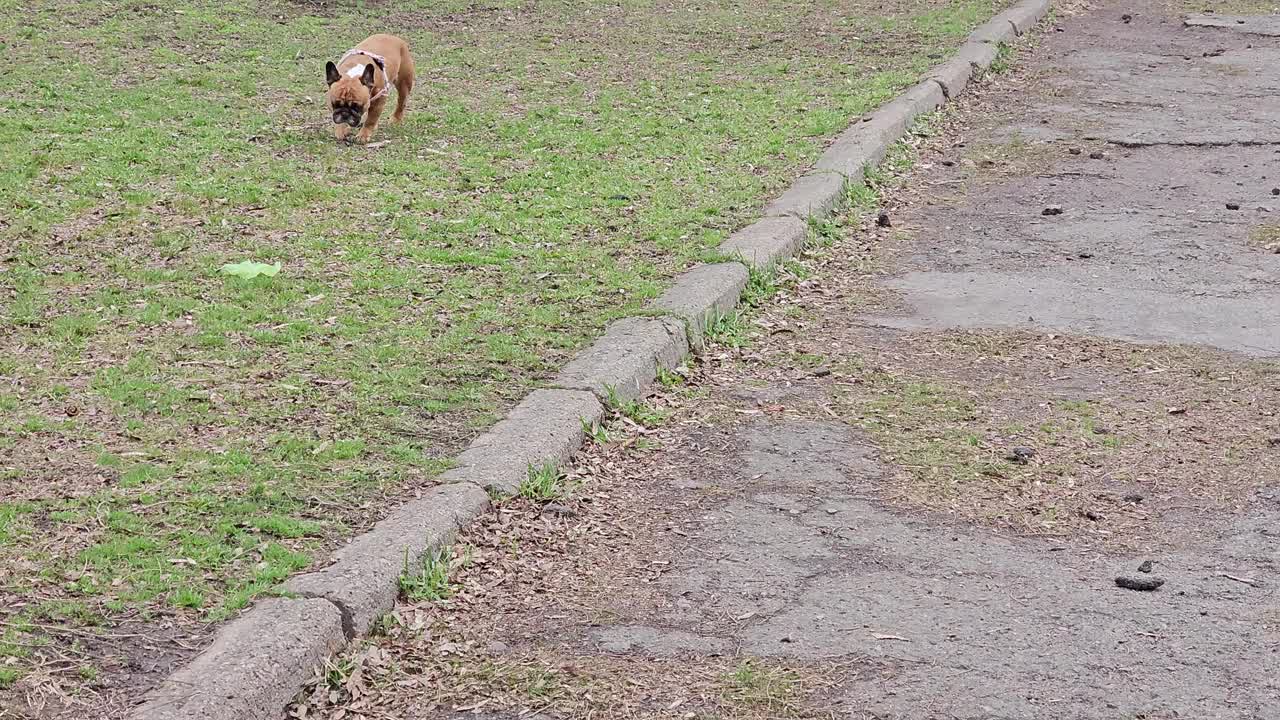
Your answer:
<point x="1004" y="61"/>
<point x="429" y="582"/>
<point x="543" y="483"/>
<point x="1265" y="236"/>
<point x="762" y="686"/>
<point x="645" y="414"/>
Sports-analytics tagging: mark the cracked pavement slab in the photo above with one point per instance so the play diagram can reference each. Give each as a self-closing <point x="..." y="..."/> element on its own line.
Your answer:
<point x="906" y="487"/>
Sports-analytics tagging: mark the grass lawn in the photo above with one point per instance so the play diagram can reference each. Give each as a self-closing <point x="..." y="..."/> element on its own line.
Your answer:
<point x="175" y="441"/>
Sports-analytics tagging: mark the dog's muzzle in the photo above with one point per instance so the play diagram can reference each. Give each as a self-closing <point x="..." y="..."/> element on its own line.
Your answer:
<point x="344" y="116"/>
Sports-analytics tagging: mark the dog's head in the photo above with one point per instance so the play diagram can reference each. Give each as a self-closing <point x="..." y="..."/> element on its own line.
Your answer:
<point x="349" y="93"/>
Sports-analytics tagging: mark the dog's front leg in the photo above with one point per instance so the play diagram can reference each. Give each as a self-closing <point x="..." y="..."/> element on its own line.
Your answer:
<point x="371" y="120"/>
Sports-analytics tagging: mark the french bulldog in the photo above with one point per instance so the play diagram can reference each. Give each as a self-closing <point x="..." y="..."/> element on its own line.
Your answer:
<point x="360" y="84"/>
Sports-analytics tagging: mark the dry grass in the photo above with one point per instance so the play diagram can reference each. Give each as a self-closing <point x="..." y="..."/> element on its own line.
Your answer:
<point x="1265" y="237"/>
<point x="1120" y="432"/>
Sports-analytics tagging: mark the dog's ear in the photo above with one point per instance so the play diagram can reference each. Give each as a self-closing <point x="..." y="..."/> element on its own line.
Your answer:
<point x="367" y="77"/>
<point x="331" y="72"/>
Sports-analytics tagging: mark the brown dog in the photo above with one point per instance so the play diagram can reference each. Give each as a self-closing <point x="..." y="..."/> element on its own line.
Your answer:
<point x="360" y="84"/>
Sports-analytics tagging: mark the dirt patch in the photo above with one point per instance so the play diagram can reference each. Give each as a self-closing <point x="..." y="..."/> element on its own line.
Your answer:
<point x="1052" y="434"/>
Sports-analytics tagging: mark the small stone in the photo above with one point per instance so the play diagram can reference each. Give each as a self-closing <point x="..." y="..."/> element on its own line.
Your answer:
<point x="952" y="163"/>
<point x="1139" y="584"/>
<point x="1275" y="191"/>
<point x="1146" y="566"/>
<point x="1091" y="515"/>
<point x="1020" y="455"/>
<point x="1101" y="430"/>
<point x="883" y="219"/>
<point x="1074" y="150"/>
<point x="1084" y="255"/>
<point x="1233" y="206"/>
<point x="1052" y="210"/>
<point x="1134" y="497"/>
<point x="497" y="647"/>
<point x="1097" y="155"/>
<point x="1126" y="18"/>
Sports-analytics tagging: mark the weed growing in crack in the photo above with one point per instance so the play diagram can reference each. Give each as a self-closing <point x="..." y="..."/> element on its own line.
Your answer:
<point x="669" y="378"/>
<point x="595" y="432"/>
<point x="728" y="330"/>
<point x="824" y="232"/>
<point x="927" y="125"/>
<point x="543" y="483"/>
<point x="635" y="410"/>
<point x="864" y="197"/>
<point x="383" y="625"/>
<point x="761" y="285"/>
<point x="429" y="582"/>
<point x="1004" y="60"/>
<point x="337" y="670"/>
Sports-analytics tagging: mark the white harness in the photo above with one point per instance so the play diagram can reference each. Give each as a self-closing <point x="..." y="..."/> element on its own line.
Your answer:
<point x="378" y="60"/>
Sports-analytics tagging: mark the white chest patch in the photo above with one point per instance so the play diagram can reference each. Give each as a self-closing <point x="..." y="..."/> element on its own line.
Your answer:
<point x="356" y="71"/>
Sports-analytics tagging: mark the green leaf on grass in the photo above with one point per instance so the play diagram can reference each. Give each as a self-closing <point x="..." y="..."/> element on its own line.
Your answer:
<point x="249" y="270"/>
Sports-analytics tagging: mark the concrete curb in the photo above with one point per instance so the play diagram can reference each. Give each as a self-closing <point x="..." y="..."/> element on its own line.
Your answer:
<point x="259" y="662"/>
<point x="255" y="666"/>
<point x="764" y="244"/>
<point x="546" y="427"/>
<point x="1026" y="16"/>
<point x="703" y="295"/>
<point x="364" y="580"/>
<point x="865" y="144"/>
<point x="972" y="60"/>
<point x="623" y="362"/>
<point x="817" y="194"/>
